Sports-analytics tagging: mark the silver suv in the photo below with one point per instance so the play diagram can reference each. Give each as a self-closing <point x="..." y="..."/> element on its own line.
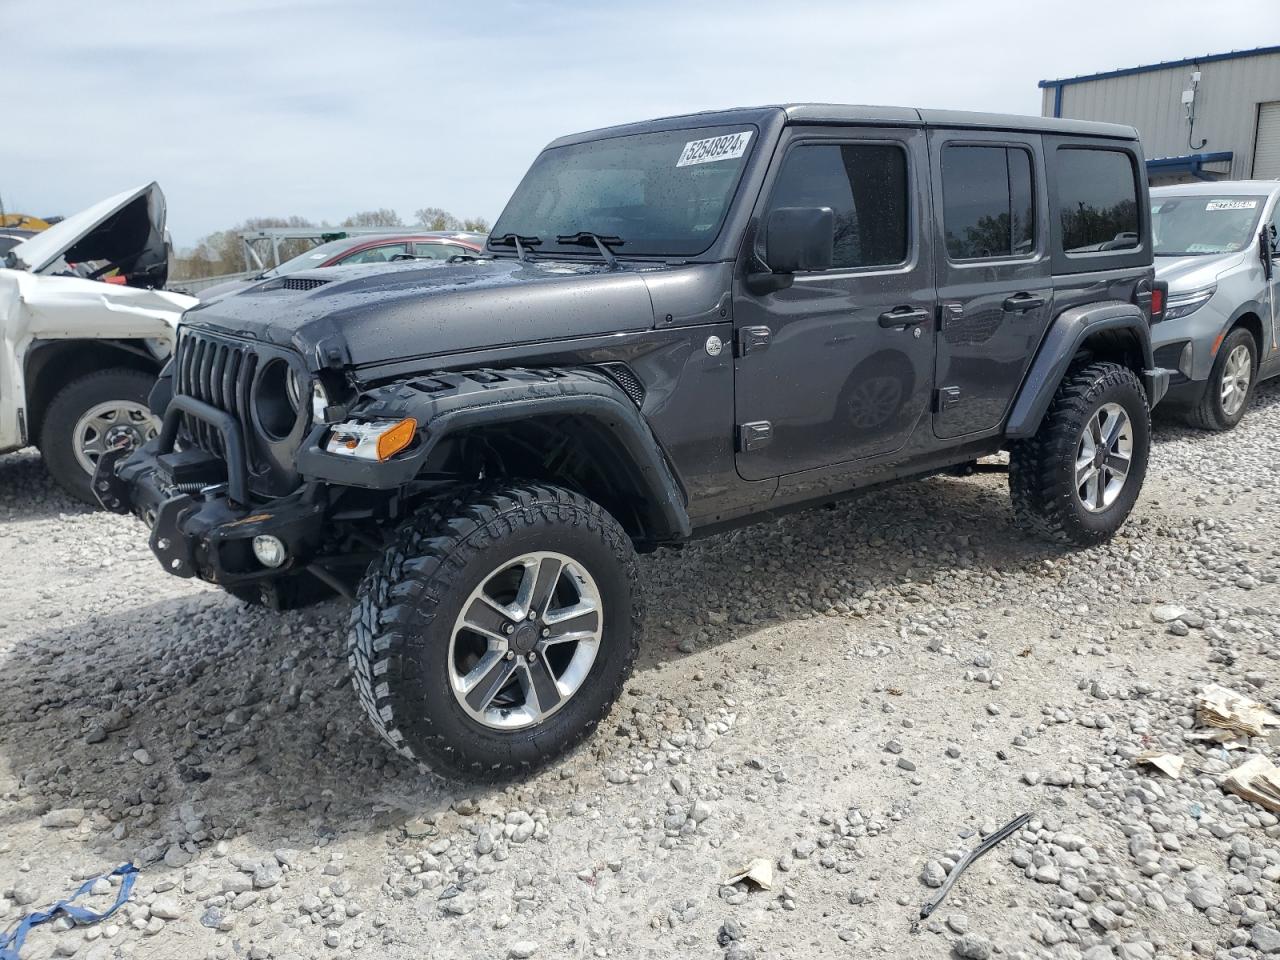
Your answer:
<point x="1215" y="245"/>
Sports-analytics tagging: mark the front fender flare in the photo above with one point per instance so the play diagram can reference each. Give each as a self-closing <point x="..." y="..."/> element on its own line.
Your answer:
<point x="1068" y="333"/>
<point x="445" y="404"/>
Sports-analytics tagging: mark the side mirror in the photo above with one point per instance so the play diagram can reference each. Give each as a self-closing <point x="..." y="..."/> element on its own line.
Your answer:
<point x="1266" y="251"/>
<point x="799" y="239"/>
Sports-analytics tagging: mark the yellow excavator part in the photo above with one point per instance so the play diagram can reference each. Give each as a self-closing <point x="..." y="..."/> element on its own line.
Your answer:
<point x="21" y="221"/>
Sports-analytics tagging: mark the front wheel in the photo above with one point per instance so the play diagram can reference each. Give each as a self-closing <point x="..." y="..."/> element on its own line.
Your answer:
<point x="495" y="633"/>
<point x="88" y="417"/>
<point x="1230" y="384"/>
<point x="1078" y="478"/>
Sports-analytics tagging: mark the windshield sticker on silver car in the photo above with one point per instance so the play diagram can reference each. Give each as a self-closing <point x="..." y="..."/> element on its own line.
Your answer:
<point x="1231" y="205"/>
<point x="728" y="147"/>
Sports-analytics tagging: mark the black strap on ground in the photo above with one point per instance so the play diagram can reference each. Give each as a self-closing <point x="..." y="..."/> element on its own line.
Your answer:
<point x="1008" y="830"/>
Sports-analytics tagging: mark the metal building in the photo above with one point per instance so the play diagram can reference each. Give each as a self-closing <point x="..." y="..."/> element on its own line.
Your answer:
<point x="1213" y="117"/>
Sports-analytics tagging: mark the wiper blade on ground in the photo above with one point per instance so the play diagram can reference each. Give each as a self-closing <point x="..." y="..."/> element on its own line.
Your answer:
<point x="517" y="241"/>
<point x="584" y="238"/>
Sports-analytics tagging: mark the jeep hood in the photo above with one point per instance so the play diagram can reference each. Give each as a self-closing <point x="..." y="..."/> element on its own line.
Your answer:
<point x="428" y="309"/>
<point x="126" y="231"/>
<point x="1185" y="274"/>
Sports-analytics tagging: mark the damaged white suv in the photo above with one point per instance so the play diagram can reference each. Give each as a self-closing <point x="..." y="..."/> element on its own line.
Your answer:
<point x="84" y="329"/>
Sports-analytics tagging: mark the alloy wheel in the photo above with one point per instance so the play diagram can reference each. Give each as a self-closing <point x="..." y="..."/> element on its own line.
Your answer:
<point x="525" y="640"/>
<point x="1103" y="457"/>
<point x="1237" y="374"/>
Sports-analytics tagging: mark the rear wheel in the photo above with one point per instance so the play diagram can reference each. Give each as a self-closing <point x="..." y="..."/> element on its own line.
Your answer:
<point x="495" y="632"/>
<point x="1230" y="384"/>
<point x="1078" y="478"/>
<point x="91" y="415"/>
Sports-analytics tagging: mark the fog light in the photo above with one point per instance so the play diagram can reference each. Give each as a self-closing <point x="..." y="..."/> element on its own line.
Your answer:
<point x="269" y="550"/>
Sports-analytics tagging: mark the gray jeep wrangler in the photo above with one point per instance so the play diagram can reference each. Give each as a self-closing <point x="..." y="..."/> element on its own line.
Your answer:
<point x="675" y="327"/>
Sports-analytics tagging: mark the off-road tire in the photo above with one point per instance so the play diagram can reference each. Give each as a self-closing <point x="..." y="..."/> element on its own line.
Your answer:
<point x="1208" y="413"/>
<point x="291" y="592"/>
<point x="1042" y="469"/>
<point x="64" y="412"/>
<point x="408" y="601"/>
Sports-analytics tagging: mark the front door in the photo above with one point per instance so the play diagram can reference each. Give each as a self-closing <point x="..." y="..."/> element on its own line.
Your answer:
<point x="839" y="366"/>
<point x="995" y="284"/>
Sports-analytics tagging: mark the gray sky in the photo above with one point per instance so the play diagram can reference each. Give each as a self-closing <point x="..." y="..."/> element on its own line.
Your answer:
<point x="276" y="107"/>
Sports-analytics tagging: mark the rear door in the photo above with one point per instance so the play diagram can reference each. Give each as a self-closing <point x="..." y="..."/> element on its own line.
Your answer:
<point x="995" y="281"/>
<point x="823" y="373"/>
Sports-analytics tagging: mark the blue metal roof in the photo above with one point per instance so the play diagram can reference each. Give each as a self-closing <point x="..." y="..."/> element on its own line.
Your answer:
<point x="1192" y="163"/>
<point x="1164" y="65"/>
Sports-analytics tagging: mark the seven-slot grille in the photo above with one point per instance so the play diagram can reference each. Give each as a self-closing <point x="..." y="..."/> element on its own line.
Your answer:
<point x="218" y="373"/>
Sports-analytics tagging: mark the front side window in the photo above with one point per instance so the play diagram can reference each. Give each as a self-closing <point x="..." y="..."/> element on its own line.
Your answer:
<point x="1204" y="224"/>
<point x="865" y="185"/>
<point x="988" y="208"/>
<point x="1097" y="200"/>
<point x="659" y="194"/>
<point x="381" y="254"/>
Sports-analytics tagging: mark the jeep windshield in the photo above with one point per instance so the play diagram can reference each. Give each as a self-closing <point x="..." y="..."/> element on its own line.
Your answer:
<point x="1203" y="225"/>
<point x="659" y="194"/>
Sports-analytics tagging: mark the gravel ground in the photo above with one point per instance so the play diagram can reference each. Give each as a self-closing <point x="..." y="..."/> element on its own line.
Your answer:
<point x="855" y="695"/>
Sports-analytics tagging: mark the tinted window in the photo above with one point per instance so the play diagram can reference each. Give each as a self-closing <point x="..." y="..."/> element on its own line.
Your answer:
<point x="988" y="210"/>
<point x="378" y="254"/>
<point x="1097" y="200"/>
<point x="866" y="187"/>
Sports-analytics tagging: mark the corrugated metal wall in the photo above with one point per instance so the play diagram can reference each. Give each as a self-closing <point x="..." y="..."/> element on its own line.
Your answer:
<point x="1226" y="107"/>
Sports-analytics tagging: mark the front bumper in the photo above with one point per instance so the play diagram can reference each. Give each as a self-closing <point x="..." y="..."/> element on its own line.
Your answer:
<point x="202" y="529"/>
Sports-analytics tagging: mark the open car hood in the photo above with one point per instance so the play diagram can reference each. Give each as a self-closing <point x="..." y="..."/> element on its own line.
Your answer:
<point x="126" y="231"/>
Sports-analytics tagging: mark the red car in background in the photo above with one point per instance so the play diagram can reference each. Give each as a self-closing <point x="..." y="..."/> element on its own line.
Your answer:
<point x="364" y="248"/>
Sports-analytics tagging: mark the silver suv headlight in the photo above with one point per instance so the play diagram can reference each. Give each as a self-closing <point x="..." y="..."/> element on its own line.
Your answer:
<point x="1185" y="304"/>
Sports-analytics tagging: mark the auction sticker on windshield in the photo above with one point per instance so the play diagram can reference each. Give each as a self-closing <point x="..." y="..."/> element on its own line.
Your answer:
<point x="1227" y="204"/>
<point x="727" y="147"/>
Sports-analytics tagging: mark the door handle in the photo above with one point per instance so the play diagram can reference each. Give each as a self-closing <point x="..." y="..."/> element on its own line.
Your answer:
<point x="1022" y="302"/>
<point x="904" y="317"/>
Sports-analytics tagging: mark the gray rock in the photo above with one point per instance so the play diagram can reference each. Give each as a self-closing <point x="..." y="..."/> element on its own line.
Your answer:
<point x="522" y="949"/>
<point x="973" y="947"/>
<point x="1265" y="938"/>
<point x="166" y="908"/>
<point x="63" y="818"/>
<point x="933" y="874"/>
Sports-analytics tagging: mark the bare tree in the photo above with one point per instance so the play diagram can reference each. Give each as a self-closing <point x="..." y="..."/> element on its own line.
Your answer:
<point x="435" y="218"/>
<point x="382" y="217"/>
<point x="476" y="225"/>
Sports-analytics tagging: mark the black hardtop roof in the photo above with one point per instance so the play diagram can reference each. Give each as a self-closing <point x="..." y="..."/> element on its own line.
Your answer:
<point x="839" y="113"/>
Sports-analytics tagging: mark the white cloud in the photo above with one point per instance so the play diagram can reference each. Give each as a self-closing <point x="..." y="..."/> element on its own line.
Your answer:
<point x="323" y="108"/>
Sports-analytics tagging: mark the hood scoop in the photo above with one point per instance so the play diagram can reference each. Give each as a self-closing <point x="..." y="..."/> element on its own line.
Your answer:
<point x="294" y="283"/>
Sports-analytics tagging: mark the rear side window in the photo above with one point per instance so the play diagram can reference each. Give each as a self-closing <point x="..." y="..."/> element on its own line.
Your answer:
<point x="987" y="202"/>
<point x="1097" y="200"/>
<point x="865" y="185"/>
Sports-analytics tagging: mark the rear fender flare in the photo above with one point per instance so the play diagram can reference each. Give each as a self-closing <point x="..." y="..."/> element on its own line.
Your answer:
<point x="1068" y="334"/>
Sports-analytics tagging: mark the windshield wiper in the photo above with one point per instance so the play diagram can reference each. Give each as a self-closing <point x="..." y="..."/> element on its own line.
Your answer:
<point x="584" y="238"/>
<point x="517" y="241"/>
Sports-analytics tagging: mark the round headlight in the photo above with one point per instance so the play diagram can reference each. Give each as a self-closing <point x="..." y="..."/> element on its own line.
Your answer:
<point x="277" y="399"/>
<point x="293" y="389"/>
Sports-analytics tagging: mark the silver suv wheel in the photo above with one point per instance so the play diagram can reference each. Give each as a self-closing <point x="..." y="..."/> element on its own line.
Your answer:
<point x="1103" y="457"/>
<point x="1237" y="374"/>
<point x="525" y="640"/>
